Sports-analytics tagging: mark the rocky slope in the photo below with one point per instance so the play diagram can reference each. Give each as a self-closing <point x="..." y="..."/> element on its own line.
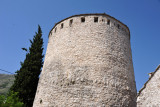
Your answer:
<point x="5" y="83"/>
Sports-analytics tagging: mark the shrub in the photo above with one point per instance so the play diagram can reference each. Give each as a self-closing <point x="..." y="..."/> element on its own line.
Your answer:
<point x="11" y="100"/>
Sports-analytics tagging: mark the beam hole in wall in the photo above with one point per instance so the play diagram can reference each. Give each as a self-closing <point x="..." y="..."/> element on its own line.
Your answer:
<point x="83" y="19"/>
<point x="70" y="22"/>
<point x="108" y="22"/>
<point x="61" y="25"/>
<point x="40" y="101"/>
<point x="95" y="19"/>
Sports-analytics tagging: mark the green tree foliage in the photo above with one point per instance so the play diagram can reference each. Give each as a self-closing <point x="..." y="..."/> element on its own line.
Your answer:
<point x="11" y="100"/>
<point x="26" y="79"/>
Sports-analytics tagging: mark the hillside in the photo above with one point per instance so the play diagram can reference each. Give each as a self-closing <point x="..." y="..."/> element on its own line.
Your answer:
<point x="5" y="83"/>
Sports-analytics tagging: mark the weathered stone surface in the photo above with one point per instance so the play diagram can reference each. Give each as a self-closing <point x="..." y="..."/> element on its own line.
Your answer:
<point x="87" y="64"/>
<point x="149" y="95"/>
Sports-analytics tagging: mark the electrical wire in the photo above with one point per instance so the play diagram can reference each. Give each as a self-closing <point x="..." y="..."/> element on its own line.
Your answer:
<point x="6" y="71"/>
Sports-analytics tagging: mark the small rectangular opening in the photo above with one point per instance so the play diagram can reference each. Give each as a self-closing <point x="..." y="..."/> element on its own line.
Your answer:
<point x="95" y="19"/>
<point x="70" y="22"/>
<point x="55" y="30"/>
<point x="108" y="22"/>
<point x="118" y="26"/>
<point x="83" y="19"/>
<point x="61" y="25"/>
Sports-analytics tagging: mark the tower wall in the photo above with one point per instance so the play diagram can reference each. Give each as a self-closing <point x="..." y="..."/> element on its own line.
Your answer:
<point x="87" y="64"/>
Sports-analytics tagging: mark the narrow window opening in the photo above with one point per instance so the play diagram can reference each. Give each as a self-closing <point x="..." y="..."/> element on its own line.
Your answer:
<point x="118" y="26"/>
<point x="95" y="19"/>
<point x="55" y="30"/>
<point x="82" y="19"/>
<point x="108" y="22"/>
<point x="70" y="23"/>
<point x="102" y="20"/>
<point x="61" y="25"/>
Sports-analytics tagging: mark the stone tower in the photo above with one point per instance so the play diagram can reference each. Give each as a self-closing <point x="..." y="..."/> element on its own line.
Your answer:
<point x="88" y="63"/>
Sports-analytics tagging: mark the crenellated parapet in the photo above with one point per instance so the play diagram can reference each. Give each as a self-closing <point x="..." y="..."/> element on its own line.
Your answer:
<point x="90" y="19"/>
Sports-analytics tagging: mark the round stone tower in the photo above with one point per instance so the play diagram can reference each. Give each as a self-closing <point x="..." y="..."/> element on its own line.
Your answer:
<point x="88" y="63"/>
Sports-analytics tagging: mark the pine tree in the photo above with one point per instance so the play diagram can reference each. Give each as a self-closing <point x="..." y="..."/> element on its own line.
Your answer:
<point x="26" y="79"/>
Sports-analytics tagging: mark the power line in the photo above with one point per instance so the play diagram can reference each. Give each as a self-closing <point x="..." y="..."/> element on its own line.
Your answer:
<point x="6" y="71"/>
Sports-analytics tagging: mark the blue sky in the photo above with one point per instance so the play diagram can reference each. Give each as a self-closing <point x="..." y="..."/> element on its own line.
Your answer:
<point x="19" y="20"/>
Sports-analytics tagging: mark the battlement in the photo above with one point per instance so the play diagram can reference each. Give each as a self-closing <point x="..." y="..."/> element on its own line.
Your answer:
<point x="90" y="19"/>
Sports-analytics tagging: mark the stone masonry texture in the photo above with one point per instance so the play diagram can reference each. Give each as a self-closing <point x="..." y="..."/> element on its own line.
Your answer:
<point x="149" y="95"/>
<point x="88" y="63"/>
